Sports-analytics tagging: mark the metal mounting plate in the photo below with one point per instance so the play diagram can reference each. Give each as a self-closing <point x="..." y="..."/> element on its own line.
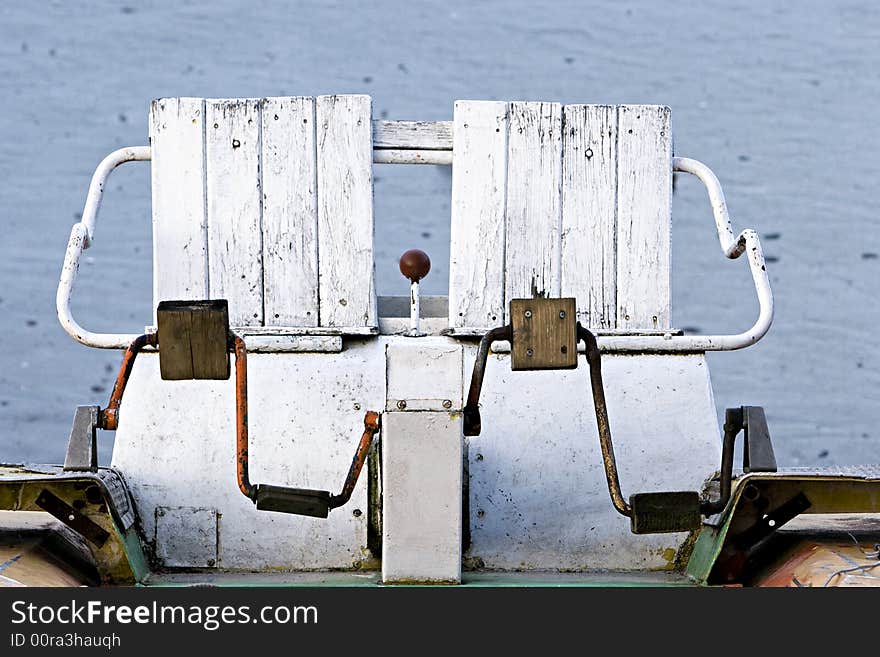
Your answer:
<point x="544" y="334"/>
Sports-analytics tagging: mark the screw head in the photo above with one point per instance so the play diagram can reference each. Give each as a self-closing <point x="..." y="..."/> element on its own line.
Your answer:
<point x="561" y="314"/>
<point x="447" y="404"/>
<point x="401" y="404"/>
<point x="527" y="314"/>
<point x="530" y="352"/>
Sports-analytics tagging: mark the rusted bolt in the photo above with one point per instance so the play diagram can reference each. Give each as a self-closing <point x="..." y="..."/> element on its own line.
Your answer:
<point x="447" y="404"/>
<point x="357" y="513"/>
<point x="401" y="404"/>
<point x="527" y="314"/>
<point x="561" y="314"/>
<point x="530" y="352"/>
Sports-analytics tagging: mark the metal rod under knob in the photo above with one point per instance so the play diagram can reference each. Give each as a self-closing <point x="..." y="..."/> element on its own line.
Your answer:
<point x="414" y="265"/>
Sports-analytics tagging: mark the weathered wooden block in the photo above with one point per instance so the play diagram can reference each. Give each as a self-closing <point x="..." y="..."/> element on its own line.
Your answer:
<point x="544" y="334"/>
<point x="193" y="338"/>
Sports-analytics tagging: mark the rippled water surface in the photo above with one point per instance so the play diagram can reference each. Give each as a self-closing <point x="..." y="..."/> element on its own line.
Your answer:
<point x="779" y="98"/>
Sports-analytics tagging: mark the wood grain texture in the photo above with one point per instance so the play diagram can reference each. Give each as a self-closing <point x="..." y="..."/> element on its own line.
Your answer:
<point x="644" y="212"/>
<point x="193" y="340"/>
<point x="290" y="212"/>
<point x="235" y="259"/>
<point x="534" y="181"/>
<point x="426" y="135"/>
<point x="479" y="189"/>
<point x="345" y="211"/>
<point x="544" y="334"/>
<point x="589" y="212"/>
<point x="180" y="253"/>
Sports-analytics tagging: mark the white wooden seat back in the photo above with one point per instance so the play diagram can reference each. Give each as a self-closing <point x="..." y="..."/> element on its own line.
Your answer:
<point x="561" y="200"/>
<point x="267" y="203"/>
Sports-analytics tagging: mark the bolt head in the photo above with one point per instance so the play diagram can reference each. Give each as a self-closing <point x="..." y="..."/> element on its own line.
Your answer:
<point x="401" y="404"/>
<point x="447" y="404"/>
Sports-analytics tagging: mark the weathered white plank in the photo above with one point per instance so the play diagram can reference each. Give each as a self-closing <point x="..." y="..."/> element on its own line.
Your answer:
<point x="233" y="185"/>
<point x="589" y="212"/>
<point x="534" y="181"/>
<point x="290" y="212"/>
<point x="427" y="135"/>
<point x="644" y="202"/>
<point x="479" y="183"/>
<point x="180" y="265"/>
<point x="345" y="211"/>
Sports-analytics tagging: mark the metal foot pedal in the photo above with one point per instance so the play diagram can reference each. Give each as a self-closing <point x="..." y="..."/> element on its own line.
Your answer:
<point x="299" y="501"/>
<point x="659" y="513"/>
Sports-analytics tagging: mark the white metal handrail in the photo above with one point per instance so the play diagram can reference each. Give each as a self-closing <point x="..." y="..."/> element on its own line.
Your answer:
<point x="733" y="247"/>
<point x="83" y="233"/>
<point x="81" y="237"/>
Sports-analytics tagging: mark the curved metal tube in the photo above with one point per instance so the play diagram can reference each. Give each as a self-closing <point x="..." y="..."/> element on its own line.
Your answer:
<point x="732" y="426"/>
<point x="81" y="237"/>
<point x="471" y="421"/>
<point x="595" y="362"/>
<point x="109" y="418"/>
<point x="733" y="247"/>
<point x="241" y="418"/>
<point x="371" y="428"/>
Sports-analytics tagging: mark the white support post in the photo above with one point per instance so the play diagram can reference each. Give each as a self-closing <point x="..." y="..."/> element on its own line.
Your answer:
<point x="422" y="463"/>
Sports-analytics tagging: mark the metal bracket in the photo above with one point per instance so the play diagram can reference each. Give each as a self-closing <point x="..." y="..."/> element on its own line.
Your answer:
<point x="77" y="521"/>
<point x="758" y="453"/>
<point x="82" y="447"/>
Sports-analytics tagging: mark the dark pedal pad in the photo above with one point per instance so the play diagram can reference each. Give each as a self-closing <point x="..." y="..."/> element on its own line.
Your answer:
<point x="472" y="424"/>
<point x="659" y="513"/>
<point x="299" y="501"/>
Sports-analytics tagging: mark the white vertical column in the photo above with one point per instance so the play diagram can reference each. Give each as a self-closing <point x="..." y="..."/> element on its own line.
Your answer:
<point x="422" y="462"/>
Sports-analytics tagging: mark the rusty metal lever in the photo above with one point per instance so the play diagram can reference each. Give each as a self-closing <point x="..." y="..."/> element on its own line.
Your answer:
<point x="471" y="412"/>
<point x="81" y="451"/>
<point x="298" y="501"/>
<point x="595" y="362"/>
<point x="648" y="512"/>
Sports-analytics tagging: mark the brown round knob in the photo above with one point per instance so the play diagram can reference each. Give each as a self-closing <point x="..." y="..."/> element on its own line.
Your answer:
<point x="415" y="265"/>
